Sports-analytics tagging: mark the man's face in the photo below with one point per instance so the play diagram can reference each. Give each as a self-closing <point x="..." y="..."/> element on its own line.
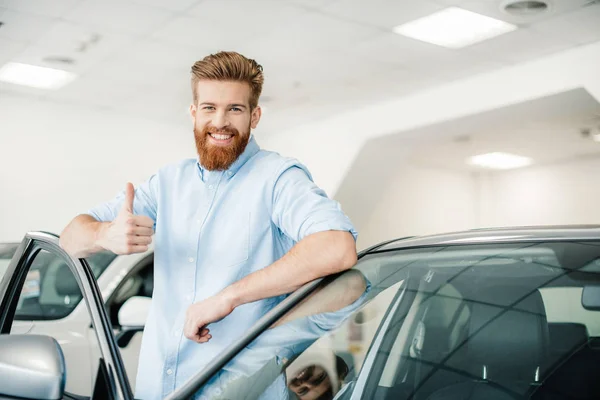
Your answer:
<point x="222" y="122"/>
<point x="312" y="383"/>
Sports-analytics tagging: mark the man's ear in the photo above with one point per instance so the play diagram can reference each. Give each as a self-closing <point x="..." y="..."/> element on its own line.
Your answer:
<point x="193" y="110"/>
<point x="255" y="117"/>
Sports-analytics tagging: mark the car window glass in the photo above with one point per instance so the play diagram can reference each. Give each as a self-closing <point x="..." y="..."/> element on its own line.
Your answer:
<point x="51" y="291"/>
<point x="460" y="319"/>
<point x="315" y="348"/>
<point x="503" y="322"/>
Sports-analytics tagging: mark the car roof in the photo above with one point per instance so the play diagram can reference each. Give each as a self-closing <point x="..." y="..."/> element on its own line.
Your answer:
<point x="497" y="235"/>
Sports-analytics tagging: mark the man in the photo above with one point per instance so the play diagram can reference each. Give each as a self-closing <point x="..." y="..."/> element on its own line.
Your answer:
<point x="236" y="230"/>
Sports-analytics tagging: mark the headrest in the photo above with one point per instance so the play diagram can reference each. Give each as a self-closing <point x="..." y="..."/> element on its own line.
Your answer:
<point x="66" y="284"/>
<point x="567" y="337"/>
<point x="508" y="342"/>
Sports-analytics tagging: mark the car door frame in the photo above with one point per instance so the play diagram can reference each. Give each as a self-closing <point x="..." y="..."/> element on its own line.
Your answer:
<point x="13" y="280"/>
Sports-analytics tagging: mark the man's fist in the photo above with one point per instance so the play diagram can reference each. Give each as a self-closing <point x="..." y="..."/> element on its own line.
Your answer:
<point x="205" y="312"/>
<point x="128" y="233"/>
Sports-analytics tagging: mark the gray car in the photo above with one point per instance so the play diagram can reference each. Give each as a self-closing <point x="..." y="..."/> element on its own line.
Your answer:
<point x="487" y="314"/>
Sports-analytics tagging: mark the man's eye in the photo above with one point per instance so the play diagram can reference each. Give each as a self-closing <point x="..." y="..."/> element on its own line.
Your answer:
<point x="303" y="391"/>
<point x="236" y="109"/>
<point x="209" y="108"/>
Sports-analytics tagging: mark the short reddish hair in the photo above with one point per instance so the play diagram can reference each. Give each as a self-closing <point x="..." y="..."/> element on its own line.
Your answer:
<point x="229" y="66"/>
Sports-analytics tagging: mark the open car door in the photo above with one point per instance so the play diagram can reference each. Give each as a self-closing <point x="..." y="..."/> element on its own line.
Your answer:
<point x="34" y="366"/>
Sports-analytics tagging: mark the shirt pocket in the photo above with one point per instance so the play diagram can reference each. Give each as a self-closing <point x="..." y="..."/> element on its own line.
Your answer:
<point x="231" y="246"/>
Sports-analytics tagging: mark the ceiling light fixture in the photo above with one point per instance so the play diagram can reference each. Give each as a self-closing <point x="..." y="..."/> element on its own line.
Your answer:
<point x="34" y="76"/>
<point x="500" y="161"/>
<point x="454" y="28"/>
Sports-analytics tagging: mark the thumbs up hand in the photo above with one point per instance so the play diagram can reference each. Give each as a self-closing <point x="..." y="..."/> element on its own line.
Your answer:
<point x="128" y="233"/>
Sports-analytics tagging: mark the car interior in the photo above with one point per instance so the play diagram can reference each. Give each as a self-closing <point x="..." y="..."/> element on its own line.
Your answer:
<point x="467" y="336"/>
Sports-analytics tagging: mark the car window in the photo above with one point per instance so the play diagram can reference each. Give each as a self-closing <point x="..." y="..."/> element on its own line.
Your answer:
<point x="433" y="323"/>
<point x="50" y="291"/>
<point x="316" y="347"/>
<point x="499" y="322"/>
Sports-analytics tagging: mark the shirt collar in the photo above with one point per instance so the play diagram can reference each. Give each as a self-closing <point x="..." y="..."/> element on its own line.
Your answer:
<point x="251" y="149"/>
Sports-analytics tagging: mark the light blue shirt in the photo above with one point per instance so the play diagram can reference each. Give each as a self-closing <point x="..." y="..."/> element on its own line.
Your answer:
<point x="212" y="228"/>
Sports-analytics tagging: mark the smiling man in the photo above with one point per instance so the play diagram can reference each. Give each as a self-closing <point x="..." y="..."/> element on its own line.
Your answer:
<point x="235" y="230"/>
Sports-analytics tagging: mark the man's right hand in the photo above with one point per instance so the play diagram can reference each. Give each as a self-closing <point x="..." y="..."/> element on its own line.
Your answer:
<point x="128" y="233"/>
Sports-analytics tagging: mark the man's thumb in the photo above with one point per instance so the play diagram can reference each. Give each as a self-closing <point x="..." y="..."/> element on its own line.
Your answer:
<point x="129" y="195"/>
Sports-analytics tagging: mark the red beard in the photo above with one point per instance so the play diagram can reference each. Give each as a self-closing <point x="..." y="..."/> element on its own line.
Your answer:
<point x="219" y="158"/>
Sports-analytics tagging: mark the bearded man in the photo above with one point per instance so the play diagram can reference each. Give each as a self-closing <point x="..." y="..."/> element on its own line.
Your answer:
<point x="235" y="230"/>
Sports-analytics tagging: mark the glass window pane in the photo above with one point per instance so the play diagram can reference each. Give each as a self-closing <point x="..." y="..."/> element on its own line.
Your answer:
<point x="496" y="321"/>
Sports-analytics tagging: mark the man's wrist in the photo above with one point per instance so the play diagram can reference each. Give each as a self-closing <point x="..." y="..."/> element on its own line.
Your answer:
<point x="230" y="296"/>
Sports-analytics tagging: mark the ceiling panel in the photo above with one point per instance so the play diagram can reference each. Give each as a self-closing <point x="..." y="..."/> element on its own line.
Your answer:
<point x="520" y="45"/>
<point x="580" y="26"/>
<point x="385" y="14"/>
<point x="54" y="8"/>
<point x="118" y="16"/>
<point x="9" y="49"/>
<point x="246" y="18"/>
<point x="171" y="5"/>
<point x="68" y="40"/>
<point x="495" y="9"/>
<point x="23" y="27"/>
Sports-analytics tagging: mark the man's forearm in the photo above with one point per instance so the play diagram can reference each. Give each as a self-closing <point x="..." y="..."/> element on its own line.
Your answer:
<point x="80" y="237"/>
<point x="315" y="256"/>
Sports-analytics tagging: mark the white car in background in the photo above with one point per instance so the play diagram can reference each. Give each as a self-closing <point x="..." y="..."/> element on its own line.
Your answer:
<point x="50" y="304"/>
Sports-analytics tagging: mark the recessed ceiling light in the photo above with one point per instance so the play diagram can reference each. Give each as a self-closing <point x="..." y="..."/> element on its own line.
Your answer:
<point x="454" y="28"/>
<point x="500" y="161"/>
<point x="34" y="76"/>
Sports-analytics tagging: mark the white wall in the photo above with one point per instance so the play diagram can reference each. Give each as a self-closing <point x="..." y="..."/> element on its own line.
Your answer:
<point x="58" y="160"/>
<point x="420" y="201"/>
<point x="566" y="193"/>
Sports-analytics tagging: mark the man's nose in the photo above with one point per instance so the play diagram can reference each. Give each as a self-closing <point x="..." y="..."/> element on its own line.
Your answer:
<point x="220" y="120"/>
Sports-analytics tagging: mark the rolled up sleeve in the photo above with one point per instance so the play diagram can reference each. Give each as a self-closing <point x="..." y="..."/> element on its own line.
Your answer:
<point x="144" y="203"/>
<point x="301" y="208"/>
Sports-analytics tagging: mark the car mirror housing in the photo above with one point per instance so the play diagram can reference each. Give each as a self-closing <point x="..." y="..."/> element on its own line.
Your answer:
<point x="134" y="311"/>
<point x="31" y="367"/>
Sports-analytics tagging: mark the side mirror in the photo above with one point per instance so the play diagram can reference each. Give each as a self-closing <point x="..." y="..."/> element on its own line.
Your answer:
<point x="31" y="367"/>
<point x="132" y="318"/>
<point x="590" y="298"/>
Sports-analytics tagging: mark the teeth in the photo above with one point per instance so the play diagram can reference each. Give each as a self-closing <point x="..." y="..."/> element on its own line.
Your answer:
<point x="220" y="137"/>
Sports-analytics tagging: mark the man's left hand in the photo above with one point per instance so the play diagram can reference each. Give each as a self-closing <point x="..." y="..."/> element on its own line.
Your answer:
<point x="207" y="311"/>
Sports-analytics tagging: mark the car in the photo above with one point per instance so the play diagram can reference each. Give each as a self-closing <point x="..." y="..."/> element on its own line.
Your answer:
<point x="484" y="314"/>
<point x="50" y="304"/>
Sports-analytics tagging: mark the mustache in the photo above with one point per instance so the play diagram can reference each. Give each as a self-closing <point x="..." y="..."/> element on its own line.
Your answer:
<point x="219" y="131"/>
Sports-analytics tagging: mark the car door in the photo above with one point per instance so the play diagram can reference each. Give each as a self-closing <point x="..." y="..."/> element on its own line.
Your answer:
<point x="110" y="378"/>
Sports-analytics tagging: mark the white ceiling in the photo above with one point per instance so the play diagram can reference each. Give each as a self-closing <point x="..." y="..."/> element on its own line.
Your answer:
<point x="320" y="56"/>
<point x="548" y="130"/>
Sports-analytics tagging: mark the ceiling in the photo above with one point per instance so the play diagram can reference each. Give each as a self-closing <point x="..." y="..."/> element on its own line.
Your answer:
<point x="547" y="130"/>
<point x="320" y="57"/>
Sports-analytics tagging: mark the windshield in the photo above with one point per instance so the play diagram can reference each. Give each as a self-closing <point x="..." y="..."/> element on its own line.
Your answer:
<point x="492" y="321"/>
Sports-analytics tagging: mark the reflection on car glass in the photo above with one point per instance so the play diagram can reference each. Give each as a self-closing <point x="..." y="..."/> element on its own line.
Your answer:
<point x="256" y="372"/>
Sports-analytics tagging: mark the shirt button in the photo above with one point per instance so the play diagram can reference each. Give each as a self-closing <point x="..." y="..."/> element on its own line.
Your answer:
<point x="210" y="186"/>
<point x="169" y="371"/>
<point x="175" y="333"/>
<point x="198" y="221"/>
<point x="191" y="259"/>
<point x="229" y="173"/>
